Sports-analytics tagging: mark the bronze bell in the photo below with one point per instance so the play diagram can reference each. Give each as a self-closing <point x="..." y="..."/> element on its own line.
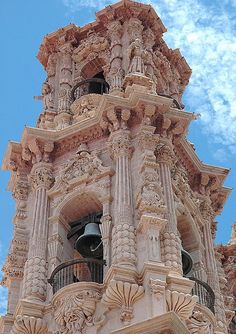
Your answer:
<point x="89" y="244"/>
<point x="187" y="262"/>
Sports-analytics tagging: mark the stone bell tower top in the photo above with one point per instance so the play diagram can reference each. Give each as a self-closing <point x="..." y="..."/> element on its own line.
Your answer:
<point x="123" y="46"/>
<point x="115" y="213"/>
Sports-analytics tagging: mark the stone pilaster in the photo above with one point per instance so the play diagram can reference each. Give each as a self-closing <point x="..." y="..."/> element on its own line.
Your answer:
<point x="35" y="275"/>
<point x="212" y="273"/>
<point x="14" y="266"/>
<point x="171" y="243"/>
<point x="123" y="234"/>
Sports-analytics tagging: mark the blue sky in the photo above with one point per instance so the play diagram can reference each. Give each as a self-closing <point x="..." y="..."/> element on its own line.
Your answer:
<point x="205" y="32"/>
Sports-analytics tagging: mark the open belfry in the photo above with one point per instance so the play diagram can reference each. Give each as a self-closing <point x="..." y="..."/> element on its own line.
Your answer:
<point x="115" y="214"/>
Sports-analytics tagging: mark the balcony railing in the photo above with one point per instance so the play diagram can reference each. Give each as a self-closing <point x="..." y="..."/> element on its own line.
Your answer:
<point x="79" y="270"/>
<point x="204" y="292"/>
<point x="89" y="86"/>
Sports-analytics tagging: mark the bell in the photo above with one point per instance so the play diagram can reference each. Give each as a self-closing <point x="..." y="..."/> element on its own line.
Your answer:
<point x="89" y="244"/>
<point x="187" y="262"/>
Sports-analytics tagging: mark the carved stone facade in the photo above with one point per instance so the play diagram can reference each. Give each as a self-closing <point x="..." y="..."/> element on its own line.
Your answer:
<point x="109" y="161"/>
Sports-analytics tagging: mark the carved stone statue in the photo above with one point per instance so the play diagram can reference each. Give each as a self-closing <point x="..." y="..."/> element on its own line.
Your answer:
<point x="136" y="54"/>
<point x="47" y="92"/>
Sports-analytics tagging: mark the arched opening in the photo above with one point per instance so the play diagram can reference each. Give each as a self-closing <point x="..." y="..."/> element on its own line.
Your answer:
<point x="94" y="80"/>
<point x="83" y="248"/>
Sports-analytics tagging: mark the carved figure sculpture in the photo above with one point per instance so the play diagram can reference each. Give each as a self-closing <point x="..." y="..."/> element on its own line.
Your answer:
<point x="47" y="96"/>
<point x="136" y="54"/>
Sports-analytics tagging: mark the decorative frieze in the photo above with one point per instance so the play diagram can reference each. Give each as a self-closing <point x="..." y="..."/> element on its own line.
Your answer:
<point x="122" y="295"/>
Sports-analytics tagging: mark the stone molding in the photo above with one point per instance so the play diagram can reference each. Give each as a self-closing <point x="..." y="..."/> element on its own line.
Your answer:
<point x="122" y="295"/>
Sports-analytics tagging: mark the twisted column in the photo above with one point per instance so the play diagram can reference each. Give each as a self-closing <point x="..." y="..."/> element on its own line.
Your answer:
<point x="123" y="234"/>
<point x="35" y="276"/>
<point x="171" y="243"/>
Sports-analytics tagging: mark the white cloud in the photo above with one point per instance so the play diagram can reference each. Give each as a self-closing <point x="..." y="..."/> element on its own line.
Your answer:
<point x="206" y="36"/>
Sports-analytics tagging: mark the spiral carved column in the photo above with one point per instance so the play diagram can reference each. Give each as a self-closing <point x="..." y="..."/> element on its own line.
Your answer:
<point x="35" y="278"/>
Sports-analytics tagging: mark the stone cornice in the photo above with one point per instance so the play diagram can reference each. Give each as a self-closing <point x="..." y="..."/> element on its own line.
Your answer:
<point x="220" y="172"/>
<point x="165" y="321"/>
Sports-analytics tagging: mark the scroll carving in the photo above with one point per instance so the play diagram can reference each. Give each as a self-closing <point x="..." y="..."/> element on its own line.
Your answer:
<point x="29" y="325"/>
<point x="122" y="295"/>
<point x="180" y="303"/>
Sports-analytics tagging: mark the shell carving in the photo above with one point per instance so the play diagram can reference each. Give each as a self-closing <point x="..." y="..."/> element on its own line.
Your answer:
<point x="122" y="295"/>
<point x="29" y="325"/>
<point x="180" y="303"/>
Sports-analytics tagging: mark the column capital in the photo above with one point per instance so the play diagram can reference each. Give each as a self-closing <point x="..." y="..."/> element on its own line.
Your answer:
<point x="120" y="144"/>
<point x="164" y="153"/>
<point x="41" y="176"/>
<point x="148" y="140"/>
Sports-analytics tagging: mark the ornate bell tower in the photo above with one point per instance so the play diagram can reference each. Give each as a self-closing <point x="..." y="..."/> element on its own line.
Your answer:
<point x="114" y="223"/>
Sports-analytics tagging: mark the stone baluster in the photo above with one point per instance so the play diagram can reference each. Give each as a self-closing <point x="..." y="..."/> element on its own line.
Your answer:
<point x="35" y="274"/>
<point x="171" y="243"/>
<point x="123" y="233"/>
<point x="115" y="75"/>
<point x="212" y="274"/>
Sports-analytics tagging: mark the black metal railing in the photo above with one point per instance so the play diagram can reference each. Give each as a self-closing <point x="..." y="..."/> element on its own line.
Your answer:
<point x="204" y="292"/>
<point x="89" y="86"/>
<point x="79" y="270"/>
